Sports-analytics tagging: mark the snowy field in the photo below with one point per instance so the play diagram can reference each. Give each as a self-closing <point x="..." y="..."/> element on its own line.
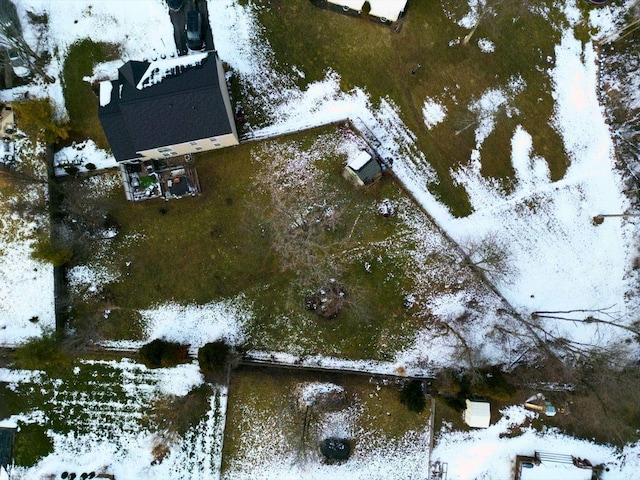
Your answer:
<point x="562" y="260"/>
<point x="26" y="284"/>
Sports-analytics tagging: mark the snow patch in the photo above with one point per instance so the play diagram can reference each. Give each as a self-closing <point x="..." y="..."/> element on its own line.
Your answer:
<point x="79" y="155"/>
<point x="433" y="113"/>
<point x="158" y="70"/>
<point x="486" y="45"/>
<point x="196" y="325"/>
<point x="88" y="279"/>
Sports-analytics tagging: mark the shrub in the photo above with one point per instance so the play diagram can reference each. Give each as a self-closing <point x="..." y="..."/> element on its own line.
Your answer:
<point x="44" y="353"/>
<point x="161" y="353"/>
<point x="51" y="252"/>
<point x="37" y="119"/>
<point x="214" y="356"/>
<point x="180" y="413"/>
<point x="366" y="9"/>
<point x="412" y="395"/>
<point x="494" y="385"/>
<point x="448" y="382"/>
<point x="90" y="166"/>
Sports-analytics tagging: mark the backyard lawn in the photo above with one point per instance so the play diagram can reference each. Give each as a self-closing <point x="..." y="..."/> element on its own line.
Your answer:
<point x="80" y="100"/>
<point x="275" y="225"/>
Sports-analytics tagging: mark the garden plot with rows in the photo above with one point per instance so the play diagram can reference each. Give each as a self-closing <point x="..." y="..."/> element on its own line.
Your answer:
<point x="114" y="417"/>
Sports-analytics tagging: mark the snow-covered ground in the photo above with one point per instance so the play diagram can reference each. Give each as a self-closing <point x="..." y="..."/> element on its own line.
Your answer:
<point x="270" y="435"/>
<point x="193" y="325"/>
<point x="79" y="155"/>
<point x="26" y="285"/>
<point x="560" y="257"/>
<point x="491" y="453"/>
<point x="563" y="260"/>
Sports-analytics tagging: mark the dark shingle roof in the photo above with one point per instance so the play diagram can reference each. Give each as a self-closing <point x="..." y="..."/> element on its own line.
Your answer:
<point x="182" y="107"/>
<point x="132" y="71"/>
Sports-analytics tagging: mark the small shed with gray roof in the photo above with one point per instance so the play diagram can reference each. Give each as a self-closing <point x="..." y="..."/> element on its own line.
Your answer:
<point x="363" y="169"/>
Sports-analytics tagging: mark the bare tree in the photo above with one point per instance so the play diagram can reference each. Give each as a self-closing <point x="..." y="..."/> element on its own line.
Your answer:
<point x="490" y="256"/>
<point x="629" y="27"/>
<point x="589" y="318"/>
<point x="305" y="230"/>
<point x="486" y="9"/>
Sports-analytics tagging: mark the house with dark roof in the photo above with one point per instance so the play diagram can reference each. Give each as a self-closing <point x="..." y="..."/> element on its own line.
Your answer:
<point x="157" y="114"/>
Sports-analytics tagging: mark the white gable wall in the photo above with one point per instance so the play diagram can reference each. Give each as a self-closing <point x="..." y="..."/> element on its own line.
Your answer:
<point x="352" y="4"/>
<point x="387" y="9"/>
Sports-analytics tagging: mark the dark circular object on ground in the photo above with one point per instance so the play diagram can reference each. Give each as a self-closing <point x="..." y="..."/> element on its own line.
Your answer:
<point x="335" y="448"/>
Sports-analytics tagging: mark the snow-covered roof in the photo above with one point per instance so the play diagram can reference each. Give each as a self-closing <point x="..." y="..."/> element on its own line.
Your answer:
<point x="160" y="69"/>
<point x="359" y="161"/>
<point x="477" y="414"/>
<point x="564" y="471"/>
<point x="105" y="93"/>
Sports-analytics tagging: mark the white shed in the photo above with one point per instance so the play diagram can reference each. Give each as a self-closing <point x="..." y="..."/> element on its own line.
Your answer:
<point x="477" y="414"/>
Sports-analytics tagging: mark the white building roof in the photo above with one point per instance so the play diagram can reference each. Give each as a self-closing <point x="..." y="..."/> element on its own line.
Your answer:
<point x="544" y="471"/>
<point x="359" y="161"/>
<point x="477" y="414"/>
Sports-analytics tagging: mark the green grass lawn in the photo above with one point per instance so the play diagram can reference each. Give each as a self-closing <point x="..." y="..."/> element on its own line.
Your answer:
<point x="81" y="102"/>
<point x="238" y="240"/>
<point x="369" y="55"/>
